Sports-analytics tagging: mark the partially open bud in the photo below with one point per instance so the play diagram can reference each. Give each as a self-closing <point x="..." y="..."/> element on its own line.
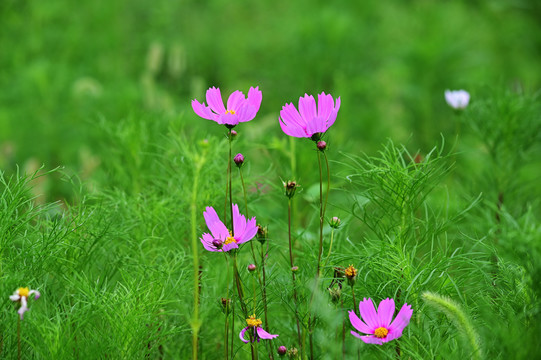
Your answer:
<point x="335" y="293"/>
<point x="294" y="268"/>
<point x="321" y="145"/>
<point x="251" y="267"/>
<point x="293" y="353"/>
<point x="335" y="222"/>
<point x="217" y="243"/>
<point x="291" y="187"/>
<point x="351" y="275"/>
<point x="239" y="159"/>
<point x="262" y="233"/>
<point x="282" y="350"/>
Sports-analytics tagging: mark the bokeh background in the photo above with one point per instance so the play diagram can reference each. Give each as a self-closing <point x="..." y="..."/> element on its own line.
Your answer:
<point x="69" y="71"/>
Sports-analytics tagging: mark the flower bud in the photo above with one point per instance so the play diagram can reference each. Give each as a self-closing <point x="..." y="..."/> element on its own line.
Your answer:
<point x="217" y="243"/>
<point x="262" y="233"/>
<point x="291" y="187"/>
<point x="294" y="268"/>
<point x="282" y="350"/>
<point x="293" y="353"/>
<point x="335" y="293"/>
<point x="251" y="267"/>
<point x="335" y="222"/>
<point x="233" y="134"/>
<point x="239" y="159"/>
<point x="321" y="145"/>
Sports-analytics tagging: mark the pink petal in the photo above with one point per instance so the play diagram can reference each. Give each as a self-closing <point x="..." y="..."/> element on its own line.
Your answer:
<point x="290" y="116"/>
<point x="402" y="319"/>
<point x="385" y="312"/>
<point x="214" y="99"/>
<point x="358" y="323"/>
<point x="239" y="223"/>
<point x="236" y="101"/>
<point x="264" y="335"/>
<point x="369" y="339"/>
<point x="206" y="240"/>
<point x="23" y="308"/>
<point x="203" y="111"/>
<point x="37" y="294"/>
<point x="230" y="246"/>
<point x="392" y="335"/>
<point x="241" y="335"/>
<point x="333" y="115"/>
<point x="246" y="112"/>
<point x="254" y="98"/>
<point x="325" y="105"/>
<point x="307" y="108"/>
<point x="368" y="313"/>
<point x="215" y="225"/>
<point x="250" y="232"/>
<point x="14" y="297"/>
<point x="292" y="129"/>
<point x="229" y="119"/>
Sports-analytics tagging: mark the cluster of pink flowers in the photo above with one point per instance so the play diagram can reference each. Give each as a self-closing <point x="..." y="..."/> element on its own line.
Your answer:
<point x="312" y="121"/>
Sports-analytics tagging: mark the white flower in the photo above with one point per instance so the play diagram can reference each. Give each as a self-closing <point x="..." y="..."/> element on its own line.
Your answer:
<point x="21" y="295"/>
<point x="457" y="99"/>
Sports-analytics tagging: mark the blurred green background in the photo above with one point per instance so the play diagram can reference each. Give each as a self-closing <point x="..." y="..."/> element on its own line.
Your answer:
<point x="71" y="70"/>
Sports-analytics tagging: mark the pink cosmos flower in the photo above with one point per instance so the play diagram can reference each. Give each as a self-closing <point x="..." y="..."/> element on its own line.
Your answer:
<point x="258" y="332"/>
<point x="220" y="238"/>
<point x="239" y="108"/>
<point x="457" y="99"/>
<point x="309" y="120"/>
<point x="378" y="324"/>
<point x="21" y="295"/>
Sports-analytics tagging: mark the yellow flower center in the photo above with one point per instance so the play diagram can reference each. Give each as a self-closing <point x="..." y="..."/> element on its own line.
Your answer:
<point x="230" y="239"/>
<point x="232" y="112"/>
<point x="351" y="272"/>
<point x="253" y="322"/>
<point x="381" y="332"/>
<point x="23" y="292"/>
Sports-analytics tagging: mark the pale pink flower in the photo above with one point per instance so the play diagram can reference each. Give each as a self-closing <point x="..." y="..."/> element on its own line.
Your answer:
<point x="378" y="324"/>
<point x="220" y="238"/>
<point x="239" y="108"/>
<point x="21" y="295"/>
<point x="309" y="120"/>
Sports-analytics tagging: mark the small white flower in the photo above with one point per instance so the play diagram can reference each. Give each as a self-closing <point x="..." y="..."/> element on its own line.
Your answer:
<point x="21" y="295"/>
<point x="457" y="99"/>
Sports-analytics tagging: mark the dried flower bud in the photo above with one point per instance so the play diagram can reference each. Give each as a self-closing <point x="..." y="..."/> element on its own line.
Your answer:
<point x="293" y="353"/>
<point x="321" y="145"/>
<point x="217" y="243"/>
<point x="262" y="233"/>
<point x="251" y="267"/>
<point x="282" y="350"/>
<point x="239" y="159"/>
<point x="335" y="293"/>
<point x="335" y="222"/>
<point x="226" y="304"/>
<point x="294" y="268"/>
<point x="351" y="275"/>
<point x="291" y="187"/>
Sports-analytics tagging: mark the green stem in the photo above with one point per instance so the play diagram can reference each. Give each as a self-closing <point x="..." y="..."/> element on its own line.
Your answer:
<point x="195" y="323"/>
<point x="330" y="249"/>
<point x="293" y="278"/>
<point x="226" y="332"/>
<point x="18" y="338"/>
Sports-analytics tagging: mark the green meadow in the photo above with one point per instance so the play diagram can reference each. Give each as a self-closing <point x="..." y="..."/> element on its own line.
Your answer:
<point x="106" y="172"/>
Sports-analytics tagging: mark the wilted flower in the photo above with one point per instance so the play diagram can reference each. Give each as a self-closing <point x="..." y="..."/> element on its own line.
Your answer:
<point x="243" y="231"/>
<point x="239" y="108"/>
<point x="258" y="332"/>
<point x="309" y="121"/>
<point x="21" y="295"/>
<point x="457" y="99"/>
<point x="239" y="159"/>
<point x="378" y="324"/>
<point x="262" y="233"/>
<point x="335" y="293"/>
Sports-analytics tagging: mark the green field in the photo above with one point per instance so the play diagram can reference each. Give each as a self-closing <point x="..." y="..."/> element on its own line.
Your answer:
<point x="105" y="172"/>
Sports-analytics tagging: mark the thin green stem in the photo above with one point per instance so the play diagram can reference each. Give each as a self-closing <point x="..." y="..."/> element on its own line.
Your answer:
<point x="330" y="249"/>
<point x="18" y="338"/>
<point x="230" y="185"/>
<point x="227" y="309"/>
<point x="195" y="323"/>
<point x="293" y="278"/>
